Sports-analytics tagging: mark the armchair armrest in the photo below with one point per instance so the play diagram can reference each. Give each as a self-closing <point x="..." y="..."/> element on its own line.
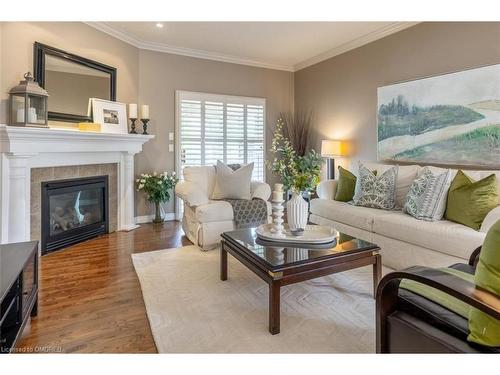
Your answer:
<point x="260" y="190"/>
<point x="387" y="294"/>
<point x="327" y="189"/>
<point x="191" y="193"/>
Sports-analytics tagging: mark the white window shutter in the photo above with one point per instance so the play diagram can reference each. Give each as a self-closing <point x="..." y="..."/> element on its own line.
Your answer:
<point x="220" y="127"/>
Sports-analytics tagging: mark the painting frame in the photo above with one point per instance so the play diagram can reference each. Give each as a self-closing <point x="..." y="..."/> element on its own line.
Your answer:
<point x="449" y="119"/>
<point x="111" y="115"/>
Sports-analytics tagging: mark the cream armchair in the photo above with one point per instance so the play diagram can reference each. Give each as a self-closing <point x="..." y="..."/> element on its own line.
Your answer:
<point x="204" y="219"/>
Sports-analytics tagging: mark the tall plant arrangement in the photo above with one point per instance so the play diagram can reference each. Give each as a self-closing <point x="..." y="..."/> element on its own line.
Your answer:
<point x="297" y="172"/>
<point x="297" y="129"/>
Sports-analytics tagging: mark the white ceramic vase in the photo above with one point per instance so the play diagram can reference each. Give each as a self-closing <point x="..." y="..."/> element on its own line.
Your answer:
<point x="297" y="211"/>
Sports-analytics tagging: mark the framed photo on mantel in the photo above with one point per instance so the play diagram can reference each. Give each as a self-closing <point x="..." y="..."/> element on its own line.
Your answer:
<point x="111" y="115"/>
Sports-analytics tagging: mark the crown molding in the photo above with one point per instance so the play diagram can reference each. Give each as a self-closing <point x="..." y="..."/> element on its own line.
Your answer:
<point x="201" y="54"/>
<point x="355" y="43"/>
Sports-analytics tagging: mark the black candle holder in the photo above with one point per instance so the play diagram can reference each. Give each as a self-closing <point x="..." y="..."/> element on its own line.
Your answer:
<point x="132" y="126"/>
<point x="145" y="126"/>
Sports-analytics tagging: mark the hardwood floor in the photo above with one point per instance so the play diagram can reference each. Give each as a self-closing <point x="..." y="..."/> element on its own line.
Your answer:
<point x="90" y="299"/>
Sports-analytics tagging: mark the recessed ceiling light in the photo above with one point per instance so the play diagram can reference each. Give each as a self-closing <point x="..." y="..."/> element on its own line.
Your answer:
<point x="159" y="25"/>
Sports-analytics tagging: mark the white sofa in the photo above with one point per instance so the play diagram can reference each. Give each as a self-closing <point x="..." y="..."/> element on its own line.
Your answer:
<point x="404" y="240"/>
<point x="204" y="219"/>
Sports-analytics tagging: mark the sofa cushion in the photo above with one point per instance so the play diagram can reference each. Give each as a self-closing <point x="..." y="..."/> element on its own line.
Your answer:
<point x="443" y="236"/>
<point x="214" y="211"/>
<point x="485" y="329"/>
<point x="345" y="186"/>
<point x="203" y="176"/>
<point x="470" y="201"/>
<point x="406" y="175"/>
<point x="376" y="190"/>
<point x="232" y="184"/>
<point x="359" y="217"/>
<point x="426" y="199"/>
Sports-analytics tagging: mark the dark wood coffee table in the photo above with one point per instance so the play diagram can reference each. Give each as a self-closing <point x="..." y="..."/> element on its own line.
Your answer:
<point x="280" y="265"/>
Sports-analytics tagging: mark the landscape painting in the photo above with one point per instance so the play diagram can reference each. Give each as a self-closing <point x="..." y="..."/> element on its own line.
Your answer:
<point x="452" y="119"/>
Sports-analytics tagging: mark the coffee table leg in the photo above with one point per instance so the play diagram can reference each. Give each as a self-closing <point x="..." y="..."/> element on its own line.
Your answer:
<point x="377" y="273"/>
<point x="274" y="308"/>
<point x="223" y="263"/>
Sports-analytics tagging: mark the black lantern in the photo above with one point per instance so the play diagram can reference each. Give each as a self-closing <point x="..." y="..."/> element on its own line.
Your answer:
<point x="28" y="104"/>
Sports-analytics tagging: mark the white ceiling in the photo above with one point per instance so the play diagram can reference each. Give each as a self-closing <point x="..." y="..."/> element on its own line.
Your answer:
<point x="286" y="46"/>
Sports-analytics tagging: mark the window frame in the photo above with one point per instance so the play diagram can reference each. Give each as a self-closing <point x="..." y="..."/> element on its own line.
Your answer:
<point x="212" y="97"/>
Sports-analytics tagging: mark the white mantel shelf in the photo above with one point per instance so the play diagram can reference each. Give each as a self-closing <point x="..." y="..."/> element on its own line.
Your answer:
<point x="24" y="148"/>
<point x="20" y="139"/>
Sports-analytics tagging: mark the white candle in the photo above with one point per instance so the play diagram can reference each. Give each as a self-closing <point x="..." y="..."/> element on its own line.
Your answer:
<point x="278" y="193"/>
<point x="145" y="111"/>
<point x="20" y="115"/>
<point x="132" y="110"/>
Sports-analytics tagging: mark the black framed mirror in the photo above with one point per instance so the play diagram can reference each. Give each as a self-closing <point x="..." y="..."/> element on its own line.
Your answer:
<point x="70" y="81"/>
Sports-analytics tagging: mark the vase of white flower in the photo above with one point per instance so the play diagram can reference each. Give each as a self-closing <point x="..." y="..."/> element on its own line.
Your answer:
<point x="299" y="174"/>
<point x="157" y="188"/>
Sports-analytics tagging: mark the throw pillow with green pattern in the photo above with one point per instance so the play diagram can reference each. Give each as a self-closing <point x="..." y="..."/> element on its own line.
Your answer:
<point x="376" y="191"/>
<point x="484" y="329"/>
<point x="426" y="199"/>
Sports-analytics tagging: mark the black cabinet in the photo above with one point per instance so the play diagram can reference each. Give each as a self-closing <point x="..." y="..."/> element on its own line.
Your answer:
<point x="18" y="290"/>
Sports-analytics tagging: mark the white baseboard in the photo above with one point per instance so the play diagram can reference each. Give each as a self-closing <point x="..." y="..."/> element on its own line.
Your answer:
<point x="148" y="218"/>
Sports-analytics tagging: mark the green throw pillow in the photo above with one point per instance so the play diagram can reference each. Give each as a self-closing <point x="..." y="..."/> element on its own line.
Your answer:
<point x="484" y="329"/>
<point x="470" y="201"/>
<point x="345" y="186"/>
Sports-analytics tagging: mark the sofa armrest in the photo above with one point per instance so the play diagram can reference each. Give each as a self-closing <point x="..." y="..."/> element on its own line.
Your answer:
<point x="191" y="193"/>
<point x="327" y="189"/>
<point x="490" y="219"/>
<point x="260" y="190"/>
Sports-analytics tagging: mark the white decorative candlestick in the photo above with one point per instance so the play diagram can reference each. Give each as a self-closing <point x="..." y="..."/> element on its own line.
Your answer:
<point x="277" y="207"/>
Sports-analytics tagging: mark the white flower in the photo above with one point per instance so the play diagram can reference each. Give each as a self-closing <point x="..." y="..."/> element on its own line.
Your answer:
<point x="159" y="182"/>
<point x="154" y="174"/>
<point x="141" y="186"/>
<point x="173" y="173"/>
<point x="137" y="180"/>
<point x="143" y="181"/>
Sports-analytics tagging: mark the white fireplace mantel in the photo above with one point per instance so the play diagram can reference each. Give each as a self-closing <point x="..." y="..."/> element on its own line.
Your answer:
<point x="24" y="148"/>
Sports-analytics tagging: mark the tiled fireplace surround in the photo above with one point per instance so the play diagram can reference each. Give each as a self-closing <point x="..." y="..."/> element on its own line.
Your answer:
<point x="29" y="156"/>
<point x="39" y="175"/>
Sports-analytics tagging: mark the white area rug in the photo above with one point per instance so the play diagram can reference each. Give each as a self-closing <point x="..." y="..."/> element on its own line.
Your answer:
<point x="191" y="311"/>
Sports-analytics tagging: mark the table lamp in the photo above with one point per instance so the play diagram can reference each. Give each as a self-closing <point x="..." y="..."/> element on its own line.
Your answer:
<point x="331" y="149"/>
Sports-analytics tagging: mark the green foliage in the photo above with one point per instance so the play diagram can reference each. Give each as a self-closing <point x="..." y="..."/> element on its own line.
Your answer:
<point x="298" y="173"/>
<point x="157" y="186"/>
<point x="485" y="139"/>
<point x="396" y="118"/>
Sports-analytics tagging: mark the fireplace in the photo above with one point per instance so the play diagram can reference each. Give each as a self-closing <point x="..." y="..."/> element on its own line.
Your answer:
<point x="72" y="211"/>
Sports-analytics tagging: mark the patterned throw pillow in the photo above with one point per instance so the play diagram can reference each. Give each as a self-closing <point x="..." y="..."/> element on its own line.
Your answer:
<point x="375" y="191"/>
<point x="426" y="199"/>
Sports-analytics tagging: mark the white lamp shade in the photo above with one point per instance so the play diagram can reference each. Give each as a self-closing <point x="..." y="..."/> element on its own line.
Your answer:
<point x="332" y="148"/>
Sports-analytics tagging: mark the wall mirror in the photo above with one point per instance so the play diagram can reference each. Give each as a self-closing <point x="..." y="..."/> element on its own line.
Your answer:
<point x="70" y="81"/>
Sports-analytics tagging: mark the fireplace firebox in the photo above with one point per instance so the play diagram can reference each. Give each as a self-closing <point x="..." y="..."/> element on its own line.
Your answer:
<point x="72" y="211"/>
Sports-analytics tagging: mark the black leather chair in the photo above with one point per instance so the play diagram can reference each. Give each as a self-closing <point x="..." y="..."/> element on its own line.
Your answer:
<point x="409" y="323"/>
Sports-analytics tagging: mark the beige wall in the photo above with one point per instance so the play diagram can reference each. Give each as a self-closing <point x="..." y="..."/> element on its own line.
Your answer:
<point x="160" y="75"/>
<point x="17" y="40"/>
<point x="343" y="90"/>
<point x="143" y="77"/>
